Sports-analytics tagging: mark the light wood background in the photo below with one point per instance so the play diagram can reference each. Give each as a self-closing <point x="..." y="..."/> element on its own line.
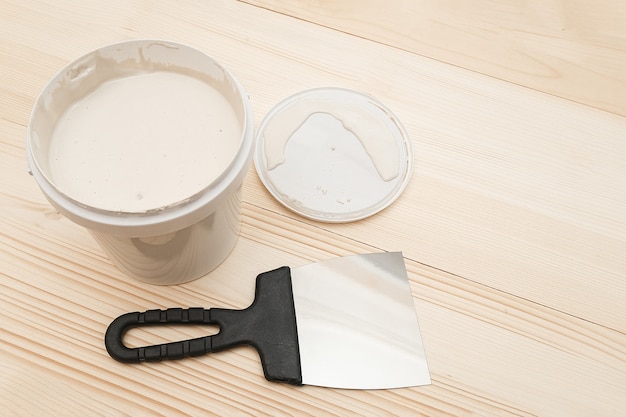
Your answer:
<point x="570" y="48"/>
<point x="513" y="227"/>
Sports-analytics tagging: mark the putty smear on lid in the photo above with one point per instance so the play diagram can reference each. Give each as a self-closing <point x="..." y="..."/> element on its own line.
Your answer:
<point x="375" y="137"/>
<point x="143" y="142"/>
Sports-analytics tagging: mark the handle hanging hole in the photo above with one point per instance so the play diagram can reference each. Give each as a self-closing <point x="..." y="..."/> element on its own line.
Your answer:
<point x="166" y="333"/>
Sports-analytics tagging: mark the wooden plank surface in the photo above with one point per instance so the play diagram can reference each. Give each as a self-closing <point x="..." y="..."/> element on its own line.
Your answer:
<point x="573" y="49"/>
<point x="513" y="230"/>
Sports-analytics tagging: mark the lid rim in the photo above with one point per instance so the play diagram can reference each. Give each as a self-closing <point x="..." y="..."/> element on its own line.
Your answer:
<point x="396" y="129"/>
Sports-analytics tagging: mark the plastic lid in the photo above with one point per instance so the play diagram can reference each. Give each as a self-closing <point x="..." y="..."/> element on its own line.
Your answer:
<point x="333" y="155"/>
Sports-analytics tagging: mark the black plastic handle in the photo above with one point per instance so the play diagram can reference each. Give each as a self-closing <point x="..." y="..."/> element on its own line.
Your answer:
<point x="113" y="339"/>
<point x="269" y="325"/>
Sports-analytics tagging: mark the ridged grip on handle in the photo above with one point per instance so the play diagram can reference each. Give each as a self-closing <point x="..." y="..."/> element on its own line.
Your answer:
<point x="269" y="325"/>
<point x="174" y="350"/>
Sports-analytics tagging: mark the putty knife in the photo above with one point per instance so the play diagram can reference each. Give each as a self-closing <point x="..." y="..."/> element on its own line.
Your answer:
<point x="347" y="322"/>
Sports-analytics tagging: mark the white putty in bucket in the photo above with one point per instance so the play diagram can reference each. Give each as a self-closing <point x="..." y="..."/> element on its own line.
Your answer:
<point x="143" y="142"/>
<point x="146" y="143"/>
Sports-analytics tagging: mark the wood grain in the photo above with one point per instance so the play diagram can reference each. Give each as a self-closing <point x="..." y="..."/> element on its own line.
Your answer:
<point x="475" y="336"/>
<point x="572" y="49"/>
<point x="513" y="230"/>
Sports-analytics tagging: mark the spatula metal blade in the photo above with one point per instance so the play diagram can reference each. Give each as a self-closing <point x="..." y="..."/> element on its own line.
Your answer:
<point x="357" y="325"/>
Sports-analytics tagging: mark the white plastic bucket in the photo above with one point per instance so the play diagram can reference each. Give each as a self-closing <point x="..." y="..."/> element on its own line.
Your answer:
<point x="183" y="236"/>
